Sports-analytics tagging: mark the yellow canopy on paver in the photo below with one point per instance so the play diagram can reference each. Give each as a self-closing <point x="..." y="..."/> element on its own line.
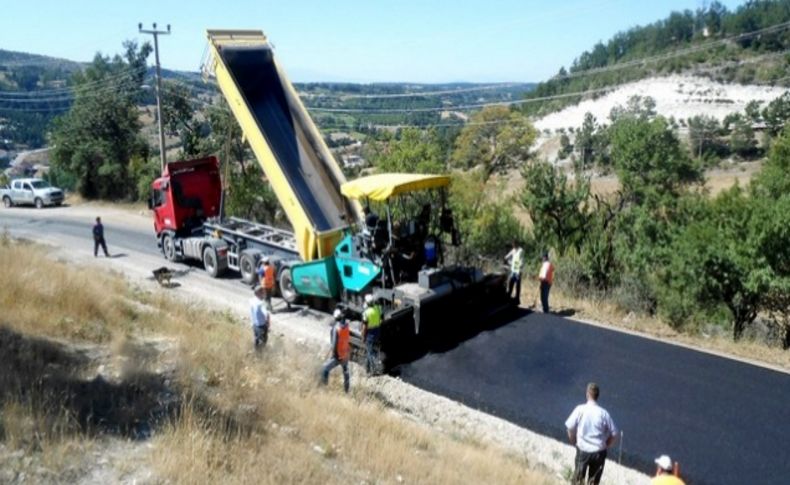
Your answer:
<point x="382" y="186"/>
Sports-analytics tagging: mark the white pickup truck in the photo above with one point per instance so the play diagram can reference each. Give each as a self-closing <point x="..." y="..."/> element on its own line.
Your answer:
<point x="32" y="191"/>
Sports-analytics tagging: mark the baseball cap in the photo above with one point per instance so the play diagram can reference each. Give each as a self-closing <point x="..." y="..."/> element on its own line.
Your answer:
<point x="368" y="298"/>
<point x="338" y="314"/>
<point x="664" y="462"/>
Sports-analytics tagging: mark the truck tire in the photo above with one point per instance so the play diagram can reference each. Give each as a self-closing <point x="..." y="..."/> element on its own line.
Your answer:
<point x="39" y="203"/>
<point x="247" y="268"/>
<point x="210" y="261"/>
<point x="169" y="248"/>
<point x="287" y="290"/>
<point x="7" y="202"/>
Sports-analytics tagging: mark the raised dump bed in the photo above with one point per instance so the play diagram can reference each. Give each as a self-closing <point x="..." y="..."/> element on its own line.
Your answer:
<point x="289" y="148"/>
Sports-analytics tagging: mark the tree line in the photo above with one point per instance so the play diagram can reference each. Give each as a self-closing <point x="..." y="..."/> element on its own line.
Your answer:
<point x="607" y="64"/>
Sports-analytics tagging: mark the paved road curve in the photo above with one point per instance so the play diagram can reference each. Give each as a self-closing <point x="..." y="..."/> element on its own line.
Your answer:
<point x="725" y="421"/>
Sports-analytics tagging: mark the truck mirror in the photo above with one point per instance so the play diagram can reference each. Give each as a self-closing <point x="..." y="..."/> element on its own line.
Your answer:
<point x="151" y="202"/>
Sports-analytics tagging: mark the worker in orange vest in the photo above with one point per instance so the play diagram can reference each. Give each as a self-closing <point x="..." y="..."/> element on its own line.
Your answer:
<point x="266" y="274"/>
<point x="546" y="278"/>
<point x="666" y="473"/>
<point x="340" y="338"/>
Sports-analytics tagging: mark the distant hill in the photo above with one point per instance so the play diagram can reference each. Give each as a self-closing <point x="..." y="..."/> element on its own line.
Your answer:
<point x="25" y="73"/>
<point x="746" y="46"/>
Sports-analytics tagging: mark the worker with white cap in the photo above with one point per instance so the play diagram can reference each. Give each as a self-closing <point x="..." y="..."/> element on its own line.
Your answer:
<point x="371" y="327"/>
<point x="340" y="340"/>
<point x="665" y="473"/>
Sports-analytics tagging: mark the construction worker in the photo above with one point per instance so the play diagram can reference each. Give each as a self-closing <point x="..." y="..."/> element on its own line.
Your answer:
<point x="260" y="318"/>
<point x="546" y="277"/>
<point x="515" y="258"/>
<point x="371" y="327"/>
<point x="266" y="275"/>
<point x="666" y="473"/>
<point x="339" y="338"/>
<point x="98" y="239"/>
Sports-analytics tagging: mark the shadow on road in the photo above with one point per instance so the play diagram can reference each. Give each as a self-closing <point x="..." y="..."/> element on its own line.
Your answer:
<point x="451" y="336"/>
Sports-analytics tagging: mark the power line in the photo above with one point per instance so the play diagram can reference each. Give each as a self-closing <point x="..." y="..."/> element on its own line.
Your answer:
<point x="126" y="72"/>
<point x="410" y="95"/>
<point x="70" y="98"/>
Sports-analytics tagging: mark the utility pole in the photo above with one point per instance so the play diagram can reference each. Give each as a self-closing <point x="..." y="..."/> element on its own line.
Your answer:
<point x="156" y="34"/>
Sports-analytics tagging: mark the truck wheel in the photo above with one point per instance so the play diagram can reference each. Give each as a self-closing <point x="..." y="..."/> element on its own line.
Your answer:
<point x="247" y="268"/>
<point x="169" y="248"/>
<point x="210" y="261"/>
<point x="287" y="290"/>
<point x="7" y="202"/>
<point x="39" y="203"/>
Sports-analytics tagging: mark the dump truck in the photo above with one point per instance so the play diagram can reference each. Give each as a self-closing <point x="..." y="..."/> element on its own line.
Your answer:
<point x="186" y="204"/>
<point x="337" y="251"/>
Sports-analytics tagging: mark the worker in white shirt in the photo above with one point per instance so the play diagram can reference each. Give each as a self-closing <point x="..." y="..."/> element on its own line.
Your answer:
<point x="592" y="431"/>
<point x="515" y="258"/>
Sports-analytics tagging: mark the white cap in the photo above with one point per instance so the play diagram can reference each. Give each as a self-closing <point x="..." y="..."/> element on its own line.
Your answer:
<point x="664" y="462"/>
<point x="368" y="298"/>
<point x="338" y="314"/>
<point x="265" y="259"/>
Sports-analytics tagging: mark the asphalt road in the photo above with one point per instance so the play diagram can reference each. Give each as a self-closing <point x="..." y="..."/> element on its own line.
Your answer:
<point x="725" y="421"/>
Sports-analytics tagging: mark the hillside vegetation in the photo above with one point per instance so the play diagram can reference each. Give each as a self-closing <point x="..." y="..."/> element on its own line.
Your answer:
<point x="95" y="372"/>
<point x="746" y="45"/>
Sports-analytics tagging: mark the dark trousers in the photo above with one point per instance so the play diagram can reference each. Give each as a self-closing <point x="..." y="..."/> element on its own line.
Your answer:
<point x="588" y="467"/>
<point x="514" y="280"/>
<point x="544" y="295"/>
<point x="267" y="297"/>
<point x="261" y="335"/>
<point x="331" y="364"/>
<point x="99" y="241"/>
<point x="372" y="348"/>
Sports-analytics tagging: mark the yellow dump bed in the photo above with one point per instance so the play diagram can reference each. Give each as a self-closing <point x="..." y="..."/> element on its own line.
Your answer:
<point x="288" y="146"/>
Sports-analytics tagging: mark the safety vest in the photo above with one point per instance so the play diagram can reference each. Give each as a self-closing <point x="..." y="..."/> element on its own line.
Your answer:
<point x="547" y="272"/>
<point x="343" y="343"/>
<point x="517" y="263"/>
<point x="267" y="281"/>
<point x="372" y="317"/>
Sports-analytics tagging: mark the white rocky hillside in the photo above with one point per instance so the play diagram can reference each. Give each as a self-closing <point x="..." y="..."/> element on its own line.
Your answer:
<point x="681" y="97"/>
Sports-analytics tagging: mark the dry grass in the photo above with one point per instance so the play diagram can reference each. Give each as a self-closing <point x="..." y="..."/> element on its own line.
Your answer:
<point x="237" y="418"/>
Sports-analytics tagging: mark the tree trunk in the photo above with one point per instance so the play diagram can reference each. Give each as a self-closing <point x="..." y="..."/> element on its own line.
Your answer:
<point x="737" y="329"/>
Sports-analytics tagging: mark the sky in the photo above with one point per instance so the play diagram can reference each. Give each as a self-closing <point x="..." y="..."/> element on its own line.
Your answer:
<point x="426" y="41"/>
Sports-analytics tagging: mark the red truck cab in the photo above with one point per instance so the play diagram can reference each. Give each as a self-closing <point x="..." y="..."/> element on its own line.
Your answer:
<point x="187" y="194"/>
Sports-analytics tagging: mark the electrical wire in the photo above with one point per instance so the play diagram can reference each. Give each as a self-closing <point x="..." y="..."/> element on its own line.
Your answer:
<point x="87" y="86"/>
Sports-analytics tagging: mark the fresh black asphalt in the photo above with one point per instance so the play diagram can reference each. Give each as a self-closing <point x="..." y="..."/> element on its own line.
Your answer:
<point x="725" y="421"/>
